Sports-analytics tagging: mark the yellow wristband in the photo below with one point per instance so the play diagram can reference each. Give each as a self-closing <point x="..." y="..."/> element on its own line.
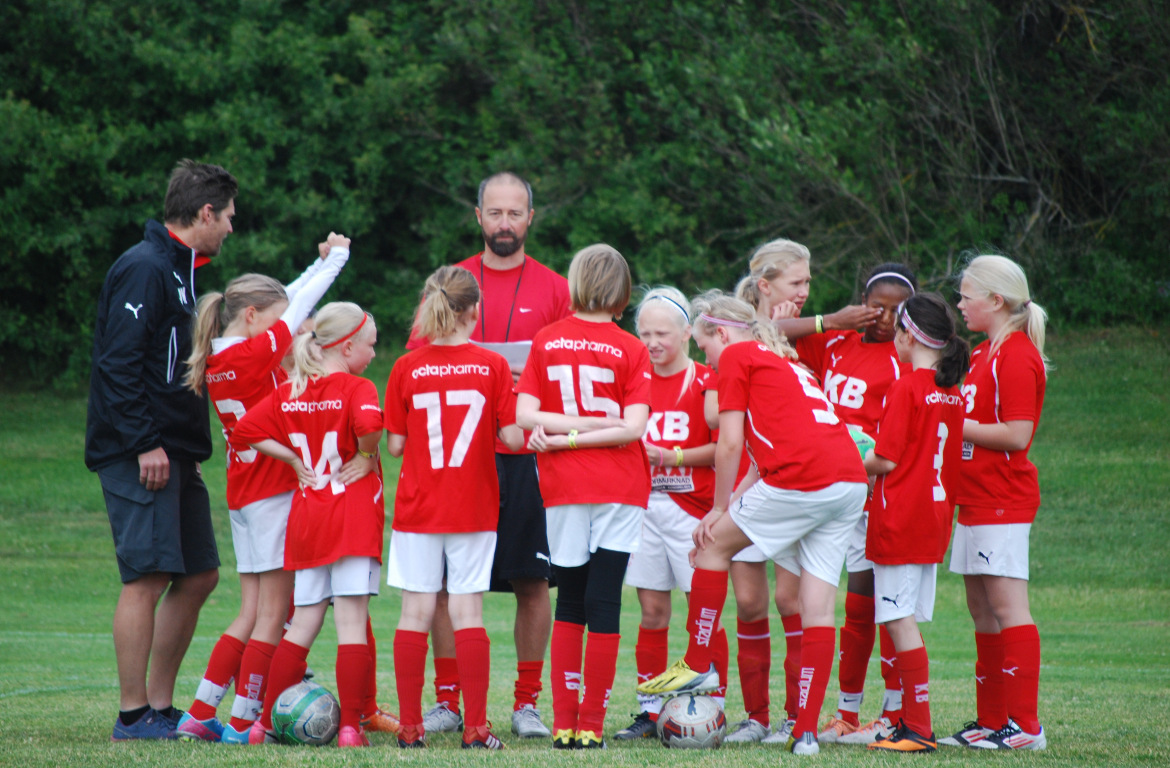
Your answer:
<point x="572" y="438"/>
<point x="367" y="455"/>
<point x="678" y="456"/>
<point x="820" y="323"/>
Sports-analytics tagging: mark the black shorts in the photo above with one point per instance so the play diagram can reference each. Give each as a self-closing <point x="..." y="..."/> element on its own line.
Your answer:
<point x="165" y="531"/>
<point x="521" y="539"/>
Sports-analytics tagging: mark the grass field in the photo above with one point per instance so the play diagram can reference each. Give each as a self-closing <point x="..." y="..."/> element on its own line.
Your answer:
<point x="1100" y="592"/>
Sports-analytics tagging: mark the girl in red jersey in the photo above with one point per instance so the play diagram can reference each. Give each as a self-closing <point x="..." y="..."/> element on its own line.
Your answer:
<point x="998" y="497"/>
<point x="681" y="451"/>
<point x="916" y="463"/>
<point x="326" y="424"/>
<point x="241" y="336"/>
<point x="585" y="394"/>
<point x="445" y="404"/>
<point x="856" y="370"/>
<point x="811" y="492"/>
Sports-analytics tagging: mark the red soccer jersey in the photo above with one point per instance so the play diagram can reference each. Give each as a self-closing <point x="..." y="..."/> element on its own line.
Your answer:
<point x="1000" y="487"/>
<point x="238" y="378"/>
<point x="577" y="367"/>
<point x="855" y="374"/>
<point x="330" y="520"/>
<point x="796" y="440"/>
<point x="449" y="402"/>
<point x="912" y="507"/>
<point x="676" y="418"/>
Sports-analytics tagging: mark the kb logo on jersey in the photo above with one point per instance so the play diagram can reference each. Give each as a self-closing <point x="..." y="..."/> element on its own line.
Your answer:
<point x="668" y="426"/>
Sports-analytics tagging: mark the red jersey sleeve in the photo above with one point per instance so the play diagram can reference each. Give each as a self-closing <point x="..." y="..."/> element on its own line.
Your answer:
<point x="367" y="414"/>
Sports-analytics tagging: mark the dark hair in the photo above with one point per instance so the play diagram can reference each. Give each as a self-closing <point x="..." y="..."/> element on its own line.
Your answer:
<point x="194" y="185"/>
<point x="934" y="318"/>
<point x="503" y="176"/>
<point x="891" y="273"/>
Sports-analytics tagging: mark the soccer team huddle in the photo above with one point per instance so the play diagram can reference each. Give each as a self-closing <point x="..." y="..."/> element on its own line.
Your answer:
<point x="813" y="443"/>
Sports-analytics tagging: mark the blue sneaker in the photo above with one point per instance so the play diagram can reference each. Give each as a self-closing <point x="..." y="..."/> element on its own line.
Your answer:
<point x="231" y="736"/>
<point x="152" y="725"/>
<point x="190" y="729"/>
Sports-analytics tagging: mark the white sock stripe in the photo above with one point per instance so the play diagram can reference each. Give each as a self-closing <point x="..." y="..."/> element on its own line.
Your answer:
<point x="765" y="636"/>
<point x="797" y="633"/>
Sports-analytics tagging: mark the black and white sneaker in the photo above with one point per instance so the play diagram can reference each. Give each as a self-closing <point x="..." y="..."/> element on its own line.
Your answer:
<point x="643" y="727"/>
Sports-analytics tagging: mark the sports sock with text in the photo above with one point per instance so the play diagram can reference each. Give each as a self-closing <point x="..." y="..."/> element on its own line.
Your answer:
<point x="816" y="664"/>
<point x="914" y="669"/>
<point x="252" y="685"/>
<point x="708" y="593"/>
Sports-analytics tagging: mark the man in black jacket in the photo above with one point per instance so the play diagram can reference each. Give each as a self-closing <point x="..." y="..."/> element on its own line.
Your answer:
<point x="146" y="435"/>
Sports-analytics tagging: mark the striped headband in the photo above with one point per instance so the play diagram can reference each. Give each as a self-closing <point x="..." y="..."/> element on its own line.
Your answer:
<point x="365" y="316"/>
<point x="913" y="329"/>
<point x="728" y="323"/>
<point x="894" y="275"/>
<point x="685" y="314"/>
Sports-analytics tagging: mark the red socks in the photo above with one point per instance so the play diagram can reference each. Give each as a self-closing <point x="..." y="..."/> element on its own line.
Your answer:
<point x="474" y="658"/>
<point x="528" y="686"/>
<point x="816" y="664"/>
<point x="857" y="636"/>
<point x="252" y="685"/>
<point x="565" y="670"/>
<point x="370" y="706"/>
<point x="447" y="683"/>
<point x="892" y="698"/>
<point x="353" y="681"/>
<point x="651" y="657"/>
<point x="287" y="669"/>
<point x="708" y="594"/>
<point x="914" y="669"/>
<point x="719" y="657"/>
<point x="1021" y="675"/>
<point x="990" y="704"/>
<point x="793" y="637"/>
<point x="600" y="667"/>
<point x="755" y="665"/>
<point x="222" y="667"/>
<point x="410" y="659"/>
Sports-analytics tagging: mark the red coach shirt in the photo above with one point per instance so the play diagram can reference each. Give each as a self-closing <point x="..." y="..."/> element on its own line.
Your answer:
<point x="449" y="402"/>
<point x="238" y="377"/>
<point x="1000" y="487"/>
<point x="676" y="418"/>
<point x="577" y="367"/>
<point x="796" y="440"/>
<point x="912" y="507"/>
<point x="330" y="520"/>
<point x="855" y="374"/>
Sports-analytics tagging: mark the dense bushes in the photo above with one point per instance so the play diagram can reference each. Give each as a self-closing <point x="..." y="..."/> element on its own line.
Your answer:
<point x="682" y="133"/>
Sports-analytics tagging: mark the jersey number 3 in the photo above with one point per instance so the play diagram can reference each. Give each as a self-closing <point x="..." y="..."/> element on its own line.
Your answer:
<point x="430" y="402"/>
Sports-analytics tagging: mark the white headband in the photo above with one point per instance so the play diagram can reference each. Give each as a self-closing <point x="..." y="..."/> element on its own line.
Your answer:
<point x="685" y="314"/>
<point x="728" y="323"/>
<point x="917" y="333"/>
<point x="894" y="275"/>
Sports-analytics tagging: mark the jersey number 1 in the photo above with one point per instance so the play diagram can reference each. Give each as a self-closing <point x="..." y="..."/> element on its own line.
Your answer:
<point x="430" y="402"/>
<point x="588" y="375"/>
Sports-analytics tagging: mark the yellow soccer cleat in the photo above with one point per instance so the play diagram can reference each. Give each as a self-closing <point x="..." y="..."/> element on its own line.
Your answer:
<point x="679" y="679"/>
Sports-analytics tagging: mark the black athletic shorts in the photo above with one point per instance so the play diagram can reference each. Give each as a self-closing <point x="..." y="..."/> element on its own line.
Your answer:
<point x="521" y="539"/>
<point x="165" y="531"/>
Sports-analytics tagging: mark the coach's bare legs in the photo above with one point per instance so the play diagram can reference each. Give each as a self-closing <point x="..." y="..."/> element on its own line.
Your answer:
<point x="133" y="630"/>
<point x="533" y="618"/>
<point x="174" y="625"/>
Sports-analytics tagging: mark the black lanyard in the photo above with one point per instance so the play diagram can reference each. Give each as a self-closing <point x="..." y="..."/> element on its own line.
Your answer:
<point x="483" y="298"/>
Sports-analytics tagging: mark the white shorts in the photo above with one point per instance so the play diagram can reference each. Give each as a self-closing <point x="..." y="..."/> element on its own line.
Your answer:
<point x="663" y="559"/>
<point x="258" y="533"/>
<point x="855" y="561"/>
<point x="904" y="590"/>
<point x="347" y="577"/>
<point x="991" y="550"/>
<point x="818" y="521"/>
<point x="788" y="559"/>
<point x="577" y="530"/>
<point x="417" y="559"/>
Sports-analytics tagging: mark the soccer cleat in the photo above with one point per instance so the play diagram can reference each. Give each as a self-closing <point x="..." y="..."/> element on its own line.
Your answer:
<point x="565" y="739"/>
<point x="904" y="739"/>
<point x="1011" y="736"/>
<point x="967" y="736"/>
<point x="869" y="733"/>
<point x="643" y="727"/>
<point x="152" y="725"/>
<point x="409" y="737"/>
<point x="481" y="738"/>
<point x="190" y="729"/>
<point x="349" y="736"/>
<point x="805" y="744"/>
<point x="590" y="740"/>
<point x="834" y="730"/>
<point x="258" y="734"/>
<point x="381" y="722"/>
<point x="231" y="736"/>
<point x="679" y="679"/>
<point x="526" y="723"/>
<point x="780" y="735"/>
<point x="441" y="719"/>
<point x="746" y="732"/>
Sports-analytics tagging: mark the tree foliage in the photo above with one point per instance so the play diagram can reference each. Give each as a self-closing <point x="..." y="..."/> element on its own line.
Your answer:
<point x="683" y="133"/>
